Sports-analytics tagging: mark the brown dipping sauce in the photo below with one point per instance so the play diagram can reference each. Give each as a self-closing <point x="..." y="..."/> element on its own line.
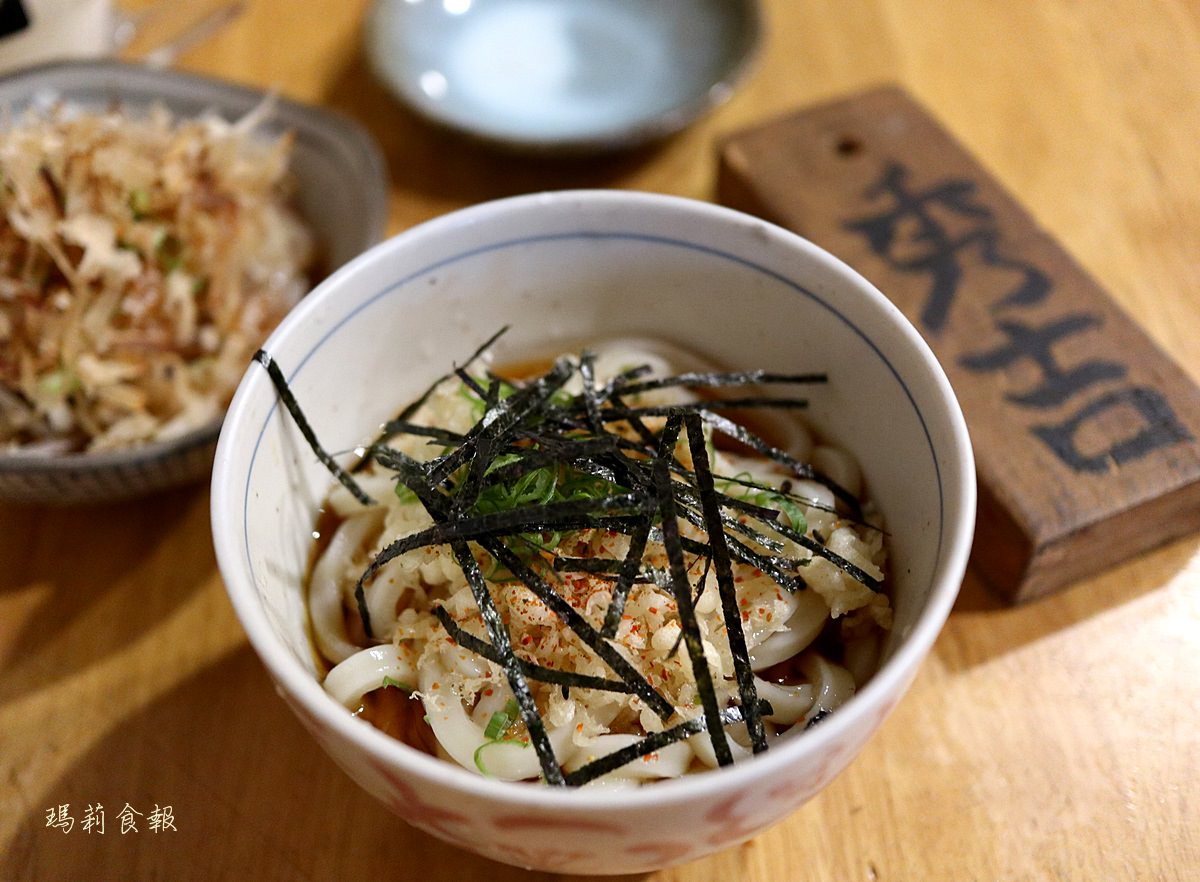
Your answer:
<point x="400" y="715"/>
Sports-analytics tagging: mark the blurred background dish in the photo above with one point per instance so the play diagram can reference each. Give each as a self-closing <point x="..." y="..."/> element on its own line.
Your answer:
<point x="562" y="75"/>
<point x="340" y="192"/>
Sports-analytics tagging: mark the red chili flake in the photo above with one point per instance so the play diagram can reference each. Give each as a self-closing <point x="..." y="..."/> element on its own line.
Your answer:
<point x="526" y="640"/>
<point x="745" y="617"/>
<point x="757" y="572"/>
<point x="654" y="609"/>
<point x="488" y="691"/>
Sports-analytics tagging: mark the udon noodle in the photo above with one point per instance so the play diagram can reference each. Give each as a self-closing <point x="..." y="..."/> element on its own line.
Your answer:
<point x="405" y="630"/>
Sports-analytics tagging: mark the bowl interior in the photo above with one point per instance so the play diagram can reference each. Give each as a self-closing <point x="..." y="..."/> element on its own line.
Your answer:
<point x="562" y="270"/>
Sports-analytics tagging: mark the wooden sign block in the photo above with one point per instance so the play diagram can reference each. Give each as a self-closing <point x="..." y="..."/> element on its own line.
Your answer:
<point x="1085" y="433"/>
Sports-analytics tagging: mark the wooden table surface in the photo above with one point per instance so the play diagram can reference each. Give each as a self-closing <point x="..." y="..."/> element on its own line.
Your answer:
<point x="1060" y="740"/>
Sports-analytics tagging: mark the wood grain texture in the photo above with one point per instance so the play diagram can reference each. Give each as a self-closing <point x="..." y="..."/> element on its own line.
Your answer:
<point x="1051" y="741"/>
<point x="1080" y="424"/>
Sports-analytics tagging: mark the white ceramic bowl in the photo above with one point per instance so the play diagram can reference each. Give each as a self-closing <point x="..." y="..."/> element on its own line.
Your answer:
<point x="341" y="191"/>
<point x="562" y="75"/>
<point x="562" y="268"/>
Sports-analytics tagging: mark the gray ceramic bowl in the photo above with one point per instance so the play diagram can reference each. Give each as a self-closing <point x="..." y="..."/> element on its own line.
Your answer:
<point x="342" y="192"/>
<point x="562" y="76"/>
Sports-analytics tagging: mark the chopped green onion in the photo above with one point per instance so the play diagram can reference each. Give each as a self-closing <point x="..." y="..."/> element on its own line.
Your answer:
<point x="139" y="203"/>
<point x="60" y="382"/>
<point x="479" y="751"/>
<point x="497" y="724"/>
<point x="501" y="720"/>
<point x="405" y="495"/>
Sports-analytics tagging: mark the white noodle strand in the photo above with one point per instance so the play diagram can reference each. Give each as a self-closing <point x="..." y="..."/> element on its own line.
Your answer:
<point x="364" y="671"/>
<point x="788" y="703"/>
<point x="833" y="685"/>
<point x="670" y="761"/>
<point x="325" y="589"/>
<point x="462" y="739"/>
<point x="802" y="629"/>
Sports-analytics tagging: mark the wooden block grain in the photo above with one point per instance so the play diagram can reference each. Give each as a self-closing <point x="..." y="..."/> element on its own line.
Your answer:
<point x="1085" y="432"/>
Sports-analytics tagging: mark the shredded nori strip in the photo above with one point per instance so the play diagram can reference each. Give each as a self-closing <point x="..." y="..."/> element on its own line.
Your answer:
<point x="655" y="741"/>
<point x="415" y="405"/>
<point x="469" y="641"/>
<point x="279" y="381"/>
<point x="729" y="428"/>
<point x="403" y="427"/>
<point x="626" y="576"/>
<point x="715" y="380"/>
<point x="591" y="401"/>
<point x="852" y="570"/>
<point x="723" y="568"/>
<point x="683" y="592"/>
<point x="634" y="420"/>
<point x="774" y="567"/>
<point x="534" y="441"/>
<point x="815" y="545"/>
<point x="816" y="718"/>
<point x="508" y="661"/>
<point x="613" y="415"/>
<point x="473" y="384"/>
<point x="597" y="566"/>
<point x="560" y="516"/>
